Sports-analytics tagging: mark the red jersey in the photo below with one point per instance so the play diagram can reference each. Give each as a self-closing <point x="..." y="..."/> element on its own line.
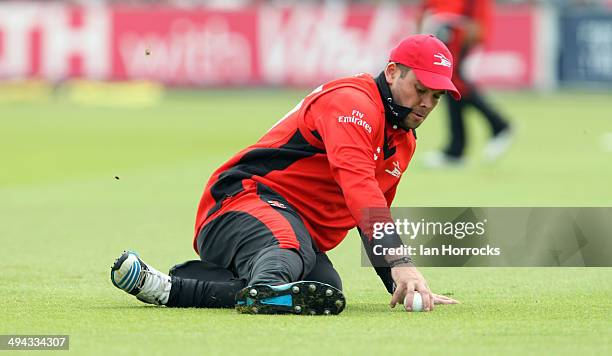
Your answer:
<point x="332" y="156"/>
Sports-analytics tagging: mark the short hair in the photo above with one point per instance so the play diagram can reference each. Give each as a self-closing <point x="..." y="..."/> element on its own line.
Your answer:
<point x="403" y="69"/>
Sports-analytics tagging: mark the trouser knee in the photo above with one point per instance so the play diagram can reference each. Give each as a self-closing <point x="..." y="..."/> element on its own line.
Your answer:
<point x="275" y="265"/>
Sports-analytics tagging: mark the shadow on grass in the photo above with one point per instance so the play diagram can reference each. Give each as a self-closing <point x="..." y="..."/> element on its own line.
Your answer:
<point x="367" y="307"/>
<point x="355" y="308"/>
<point x="154" y="308"/>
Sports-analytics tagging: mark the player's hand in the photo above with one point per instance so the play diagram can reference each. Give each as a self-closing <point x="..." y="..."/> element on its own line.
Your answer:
<point x="407" y="281"/>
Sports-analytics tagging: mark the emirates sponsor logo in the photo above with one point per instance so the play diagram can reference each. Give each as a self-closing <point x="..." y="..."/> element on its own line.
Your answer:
<point x="356" y="118"/>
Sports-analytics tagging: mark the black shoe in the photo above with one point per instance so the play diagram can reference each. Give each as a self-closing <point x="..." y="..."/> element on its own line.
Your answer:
<point x="303" y="297"/>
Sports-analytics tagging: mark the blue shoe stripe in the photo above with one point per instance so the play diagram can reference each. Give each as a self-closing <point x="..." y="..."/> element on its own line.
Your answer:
<point x="286" y="300"/>
<point x="125" y="280"/>
<point x="134" y="278"/>
<point x="281" y="287"/>
<point x="126" y="277"/>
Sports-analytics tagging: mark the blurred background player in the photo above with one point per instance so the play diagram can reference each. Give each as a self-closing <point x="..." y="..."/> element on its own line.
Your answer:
<point x="463" y="25"/>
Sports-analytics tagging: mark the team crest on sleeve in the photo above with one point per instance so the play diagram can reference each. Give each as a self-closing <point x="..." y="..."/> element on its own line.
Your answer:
<point x="396" y="172"/>
<point x="356" y="118"/>
<point x="277" y="204"/>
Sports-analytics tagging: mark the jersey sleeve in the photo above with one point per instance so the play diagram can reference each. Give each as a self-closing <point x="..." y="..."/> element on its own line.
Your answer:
<point x="347" y="121"/>
<point x="390" y="194"/>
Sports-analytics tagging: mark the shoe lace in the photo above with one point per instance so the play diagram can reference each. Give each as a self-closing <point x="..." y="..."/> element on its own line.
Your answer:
<point x="154" y="285"/>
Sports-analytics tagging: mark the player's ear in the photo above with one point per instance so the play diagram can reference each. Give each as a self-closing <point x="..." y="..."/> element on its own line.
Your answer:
<point x="391" y="71"/>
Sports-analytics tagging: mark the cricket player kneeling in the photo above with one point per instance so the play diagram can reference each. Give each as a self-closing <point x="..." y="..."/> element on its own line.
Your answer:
<point x="269" y="215"/>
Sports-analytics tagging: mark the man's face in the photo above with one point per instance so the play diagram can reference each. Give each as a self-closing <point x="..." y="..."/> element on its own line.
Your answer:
<point x="409" y="92"/>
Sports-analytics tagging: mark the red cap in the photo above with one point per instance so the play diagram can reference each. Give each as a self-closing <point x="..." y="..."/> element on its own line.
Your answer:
<point x="430" y="60"/>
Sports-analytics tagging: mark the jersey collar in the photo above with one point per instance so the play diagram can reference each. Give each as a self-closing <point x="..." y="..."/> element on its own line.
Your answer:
<point x="394" y="113"/>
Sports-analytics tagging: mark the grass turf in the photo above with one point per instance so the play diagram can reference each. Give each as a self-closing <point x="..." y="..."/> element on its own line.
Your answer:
<point x="64" y="217"/>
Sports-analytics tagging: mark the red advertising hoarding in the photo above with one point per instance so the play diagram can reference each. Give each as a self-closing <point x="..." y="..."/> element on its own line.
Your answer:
<point x="301" y="45"/>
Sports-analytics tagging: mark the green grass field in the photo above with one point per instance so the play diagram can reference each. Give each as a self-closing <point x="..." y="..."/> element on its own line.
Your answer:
<point x="64" y="218"/>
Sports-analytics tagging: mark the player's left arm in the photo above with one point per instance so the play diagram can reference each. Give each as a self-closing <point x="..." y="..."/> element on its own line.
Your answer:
<point x="382" y="268"/>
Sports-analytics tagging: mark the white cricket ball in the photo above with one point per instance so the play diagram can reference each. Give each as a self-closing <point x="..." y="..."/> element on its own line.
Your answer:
<point x="417" y="302"/>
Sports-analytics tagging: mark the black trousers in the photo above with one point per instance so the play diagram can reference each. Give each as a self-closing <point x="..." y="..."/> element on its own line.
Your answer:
<point x="456" y="110"/>
<point x="261" y="241"/>
<point x="203" y="285"/>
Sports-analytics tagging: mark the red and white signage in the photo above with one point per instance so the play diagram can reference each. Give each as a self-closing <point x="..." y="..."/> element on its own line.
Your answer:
<point x="302" y="45"/>
<point x="54" y="42"/>
<point x="507" y="60"/>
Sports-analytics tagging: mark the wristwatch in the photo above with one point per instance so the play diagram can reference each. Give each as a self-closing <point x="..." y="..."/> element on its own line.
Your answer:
<point x="402" y="260"/>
